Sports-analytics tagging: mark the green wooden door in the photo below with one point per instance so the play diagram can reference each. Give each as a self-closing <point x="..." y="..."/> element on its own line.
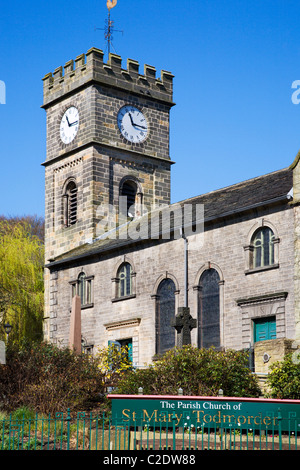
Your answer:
<point x="264" y="329"/>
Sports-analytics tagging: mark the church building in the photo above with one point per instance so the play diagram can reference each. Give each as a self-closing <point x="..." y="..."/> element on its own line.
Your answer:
<point x="228" y="258"/>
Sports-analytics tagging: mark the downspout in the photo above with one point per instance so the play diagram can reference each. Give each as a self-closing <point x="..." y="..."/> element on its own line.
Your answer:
<point x="185" y="267"/>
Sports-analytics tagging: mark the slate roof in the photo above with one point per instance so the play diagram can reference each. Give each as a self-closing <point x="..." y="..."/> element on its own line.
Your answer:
<point x="247" y="194"/>
<point x="226" y="202"/>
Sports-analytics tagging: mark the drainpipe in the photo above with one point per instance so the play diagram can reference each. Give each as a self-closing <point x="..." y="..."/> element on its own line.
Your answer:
<point x="185" y="267"/>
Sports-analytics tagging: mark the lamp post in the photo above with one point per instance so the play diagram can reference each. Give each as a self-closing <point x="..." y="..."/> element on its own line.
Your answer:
<point x="7" y="329"/>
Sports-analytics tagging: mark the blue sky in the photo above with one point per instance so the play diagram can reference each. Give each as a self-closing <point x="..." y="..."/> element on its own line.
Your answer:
<point x="234" y="64"/>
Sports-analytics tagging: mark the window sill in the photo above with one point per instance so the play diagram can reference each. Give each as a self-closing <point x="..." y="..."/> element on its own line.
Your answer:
<point x="86" y="306"/>
<point x="261" y="269"/>
<point x="126" y="297"/>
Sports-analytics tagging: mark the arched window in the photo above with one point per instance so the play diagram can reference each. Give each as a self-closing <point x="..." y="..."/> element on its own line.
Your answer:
<point x="128" y="193"/>
<point x="70" y="204"/>
<point x="209" y="309"/>
<point x="263" y="247"/>
<point x="83" y="288"/>
<point x="165" y="313"/>
<point x="125" y="280"/>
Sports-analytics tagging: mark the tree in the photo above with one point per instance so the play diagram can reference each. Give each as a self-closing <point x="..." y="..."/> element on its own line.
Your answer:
<point x="21" y="280"/>
<point x="35" y="223"/>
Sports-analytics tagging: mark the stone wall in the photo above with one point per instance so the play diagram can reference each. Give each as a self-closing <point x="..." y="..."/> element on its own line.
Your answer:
<point x="270" y="351"/>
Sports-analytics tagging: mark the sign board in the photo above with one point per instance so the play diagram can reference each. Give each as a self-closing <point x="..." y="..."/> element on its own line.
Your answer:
<point x="207" y="412"/>
<point x="2" y="353"/>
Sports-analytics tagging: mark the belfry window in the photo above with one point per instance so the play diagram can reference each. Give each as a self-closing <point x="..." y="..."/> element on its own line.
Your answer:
<point x="70" y="204"/>
<point x="128" y="198"/>
<point x="263" y="247"/>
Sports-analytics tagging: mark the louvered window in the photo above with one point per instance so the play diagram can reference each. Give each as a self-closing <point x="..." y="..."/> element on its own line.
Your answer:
<point x="70" y="204"/>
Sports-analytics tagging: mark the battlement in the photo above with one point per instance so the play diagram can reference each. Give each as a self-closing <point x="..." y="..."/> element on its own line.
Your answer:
<point x="90" y="67"/>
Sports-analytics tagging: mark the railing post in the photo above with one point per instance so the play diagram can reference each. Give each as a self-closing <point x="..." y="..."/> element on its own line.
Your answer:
<point x="68" y="419"/>
<point x="174" y="433"/>
<point x="279" y="428"/>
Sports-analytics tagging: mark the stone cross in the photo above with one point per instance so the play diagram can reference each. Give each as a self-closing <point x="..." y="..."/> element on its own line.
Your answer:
<point x="75" y="326"/>
<point x="184" y="323"/>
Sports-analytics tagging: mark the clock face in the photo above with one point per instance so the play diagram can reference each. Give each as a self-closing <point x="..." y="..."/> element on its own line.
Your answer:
<point x="132" y="124"/>
<point x="69" y="125"/>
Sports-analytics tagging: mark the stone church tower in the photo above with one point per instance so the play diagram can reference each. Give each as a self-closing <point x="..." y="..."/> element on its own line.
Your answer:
<point x="107" y="136"/>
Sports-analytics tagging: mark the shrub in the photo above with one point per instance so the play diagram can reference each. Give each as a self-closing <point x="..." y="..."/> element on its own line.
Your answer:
<point x="196" y="371"/>
<point x="113" y="362"/>
<point x="47" y="379"/>
<point x="284" y="379"/>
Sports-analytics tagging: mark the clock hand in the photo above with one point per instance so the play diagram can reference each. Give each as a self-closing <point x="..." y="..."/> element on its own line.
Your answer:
<point x="67" y="121"/>
<point x="131" y="119"/>
<point x="73" y="123"/>
<point x="134" y="124"/>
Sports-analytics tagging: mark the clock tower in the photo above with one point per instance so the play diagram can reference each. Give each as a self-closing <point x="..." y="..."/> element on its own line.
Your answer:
<point x="107" y="135"/>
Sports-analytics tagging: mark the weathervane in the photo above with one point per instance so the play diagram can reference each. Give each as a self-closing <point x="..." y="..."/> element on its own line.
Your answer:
<point x="109" y="26"/>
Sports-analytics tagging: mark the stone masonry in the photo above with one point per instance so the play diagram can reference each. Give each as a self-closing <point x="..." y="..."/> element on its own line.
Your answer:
<point x="99" y="159"/>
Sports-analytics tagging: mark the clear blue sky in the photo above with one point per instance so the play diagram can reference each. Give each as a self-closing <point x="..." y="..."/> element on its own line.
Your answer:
<point x="234" y="64"/>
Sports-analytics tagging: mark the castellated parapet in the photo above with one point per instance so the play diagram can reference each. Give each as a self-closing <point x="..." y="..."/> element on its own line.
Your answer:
<point x="90" y="67"/>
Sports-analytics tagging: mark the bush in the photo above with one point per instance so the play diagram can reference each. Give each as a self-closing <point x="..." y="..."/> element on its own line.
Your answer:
<point x="196" y="371"/>
<point x="48" y="379"/>
<point x="284" y="379"/>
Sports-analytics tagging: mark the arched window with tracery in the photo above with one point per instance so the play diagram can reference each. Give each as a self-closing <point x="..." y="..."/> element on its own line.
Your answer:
<point x="165" y="313"/>
<point x="82" y="287"/>
<point x="263" y="247"/>
<point x="124" y="277"/>
<point x="209" y="309"/>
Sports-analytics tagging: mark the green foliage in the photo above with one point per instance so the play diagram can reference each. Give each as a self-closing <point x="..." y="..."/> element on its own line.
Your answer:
<point x="23" y="413"/>
<point x="284" y="379"/>
<point x="113" y="362"/>
<point x="21" y="281"/>
<point x="196" y="371"/>
<point x="47" y="379"/>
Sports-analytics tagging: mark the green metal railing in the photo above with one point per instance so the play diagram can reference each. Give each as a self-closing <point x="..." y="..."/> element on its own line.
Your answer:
<point x="86" y="431"/>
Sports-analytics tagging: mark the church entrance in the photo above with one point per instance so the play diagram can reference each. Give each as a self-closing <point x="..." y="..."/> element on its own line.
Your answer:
<point x="264" y="329"/>
<point x="165" y="313"/>
<point x="209" y="309"/>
